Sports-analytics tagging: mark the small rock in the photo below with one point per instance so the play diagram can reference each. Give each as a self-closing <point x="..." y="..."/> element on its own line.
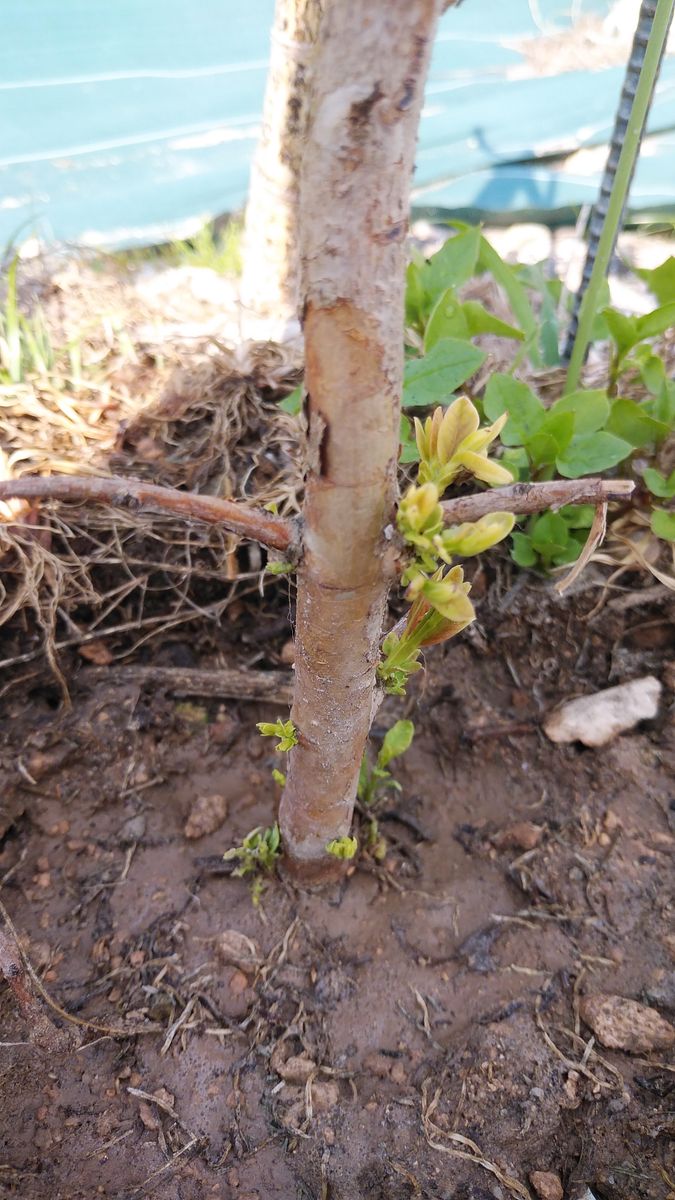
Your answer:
<point x="621" y="1024"/>
<point x="132" y="830"/>
<point x="96" y="652"/>
<point x="595" y="720"/>
<point x="524" y="835"/>
<point x="238" y="983"/>
<point x="147" y="1116"/>
<point x="296" y="1069"/>
<point x="206" y="815"/>
<point x="237" y="950"/>
<point x="324" y="1096"/>
<point x="547" y="1185"/>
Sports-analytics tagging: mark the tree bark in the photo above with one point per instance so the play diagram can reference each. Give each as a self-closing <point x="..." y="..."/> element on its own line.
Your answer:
<point x="358" y="163"/>
<point x="270" y="286"/>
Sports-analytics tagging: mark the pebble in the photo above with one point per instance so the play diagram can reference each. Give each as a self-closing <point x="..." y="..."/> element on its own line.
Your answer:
<point x="238" y="983"/>
<point x="621" y="1024"/>
<point x="206" y="815"/>
<point x="524" y="835"/>
<point x="296" y="1069"/>
<point x="547" y="1185"/>
<point x="594" y="720"/>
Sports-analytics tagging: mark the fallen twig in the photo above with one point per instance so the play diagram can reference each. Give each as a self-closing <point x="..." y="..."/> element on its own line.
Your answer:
<point x="522" y="498"/>
<point x="264" y="527"/>
<point x="222" y="683"/>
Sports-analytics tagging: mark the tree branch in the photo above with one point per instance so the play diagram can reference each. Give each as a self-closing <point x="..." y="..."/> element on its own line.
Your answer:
<point x="521" y="498"/>
<point x="276" y="532"/>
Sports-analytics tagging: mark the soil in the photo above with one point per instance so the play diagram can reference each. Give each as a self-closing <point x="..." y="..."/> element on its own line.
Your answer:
<point x="413" y="1032"/>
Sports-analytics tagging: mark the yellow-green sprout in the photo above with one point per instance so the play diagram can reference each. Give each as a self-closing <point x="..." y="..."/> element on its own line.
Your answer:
<point x="452" y="442"/>
<point x="284" y="730"/>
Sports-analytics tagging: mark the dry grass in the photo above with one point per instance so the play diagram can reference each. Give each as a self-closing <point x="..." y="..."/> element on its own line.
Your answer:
<point x="193" y="415"/>
<point x="206" y="419"/>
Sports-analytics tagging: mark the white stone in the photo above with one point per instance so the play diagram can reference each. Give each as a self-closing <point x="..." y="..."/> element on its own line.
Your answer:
<point x="595" y="720"/>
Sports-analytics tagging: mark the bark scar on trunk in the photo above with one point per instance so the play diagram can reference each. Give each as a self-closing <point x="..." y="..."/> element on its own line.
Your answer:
<point x="360" y="110"/>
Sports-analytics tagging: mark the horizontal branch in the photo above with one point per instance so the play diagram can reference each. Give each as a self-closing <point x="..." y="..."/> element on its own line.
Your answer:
<point x="522" y="498"/>
<point x="276" y="532"/>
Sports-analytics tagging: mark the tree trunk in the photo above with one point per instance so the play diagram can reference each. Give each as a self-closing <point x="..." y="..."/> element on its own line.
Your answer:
<point x="358" y="163"/>
<point x="270" y="287"/>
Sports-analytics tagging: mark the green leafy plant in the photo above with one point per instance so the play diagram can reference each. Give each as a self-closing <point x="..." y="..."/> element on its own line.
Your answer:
<point x="554" y="538"/>
<point x="375" y="779"/>
<point x="257" y="855"/>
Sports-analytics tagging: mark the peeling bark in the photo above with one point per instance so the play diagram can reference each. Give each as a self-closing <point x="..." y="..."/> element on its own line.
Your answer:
<point x="357" y="168"/>
<point x="270" y="286"/>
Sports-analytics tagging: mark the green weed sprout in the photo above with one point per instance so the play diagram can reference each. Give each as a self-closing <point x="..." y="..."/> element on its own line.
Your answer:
<point x="284" y="730"/>
<point x="373" y="780"/>
<point x="344" y="847"/>
<point x="257" y="855"/>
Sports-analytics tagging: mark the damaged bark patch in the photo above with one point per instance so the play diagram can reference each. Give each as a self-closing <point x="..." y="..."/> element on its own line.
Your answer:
<point x="351" y="393"/>
<point x="360" y="112"/>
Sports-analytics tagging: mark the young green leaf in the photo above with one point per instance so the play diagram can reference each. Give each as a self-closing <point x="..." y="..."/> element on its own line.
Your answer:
<point x="446" y="320"/>
<point x="526" y="412"/>
<point x="522" y="551"/>
<point x="452" y="265"/>
<point x="507" y="278"/>
<point x="396" y="742"/>
<point x="578" y="516"/>
<point x="663" y="524"/>
<point x="292" y="403"/>
<point x="549" y="535"/>
<point x="629" y="421"/>
<point x="479" y="320"/>
<point x="553" y="438"/>
<point x="592" y="452"/>
<point x="590" y="408"/>
<point x="433" y="379"/>
<point x="658" y="484"/>
<point x="623" y="330"/>
<point x="656" y="322"/>
<point x="660" y="280"/>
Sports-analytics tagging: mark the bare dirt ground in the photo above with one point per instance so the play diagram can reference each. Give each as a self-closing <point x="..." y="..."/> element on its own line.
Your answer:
<point x="414" y="1032"/>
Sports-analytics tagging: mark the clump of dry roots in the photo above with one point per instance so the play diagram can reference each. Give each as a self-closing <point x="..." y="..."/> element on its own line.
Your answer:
<point x="82" y="571"/>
